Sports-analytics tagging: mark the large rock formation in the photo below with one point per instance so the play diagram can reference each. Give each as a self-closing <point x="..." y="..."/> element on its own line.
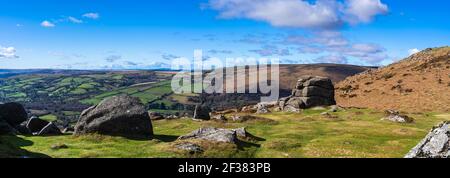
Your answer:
<point x="435" y="145"/>
<point x="118" y="116"/>
<point x="13" y="113"/>
<point x="310" y="91"/>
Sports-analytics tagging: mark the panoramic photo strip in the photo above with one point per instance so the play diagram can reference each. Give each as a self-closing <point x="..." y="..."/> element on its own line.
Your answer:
<point x="184" y="81"/>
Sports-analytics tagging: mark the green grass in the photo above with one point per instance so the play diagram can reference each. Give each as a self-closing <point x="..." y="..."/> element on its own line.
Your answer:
<point x="49" y="118"/>
<point x="354" y="133"/>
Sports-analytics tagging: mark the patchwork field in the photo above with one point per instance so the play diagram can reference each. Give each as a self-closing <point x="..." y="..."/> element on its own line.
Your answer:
<point x="352" y="133"/>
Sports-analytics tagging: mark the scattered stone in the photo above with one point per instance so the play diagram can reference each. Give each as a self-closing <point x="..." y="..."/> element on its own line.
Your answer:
<point x="334" y="108"/>
<point x="13" y="113"/>
<point x="50" y="129"/>
<point x="212" y="134"/>
<point x="263" y="108"/>
<point x="118" y="116"/>
<point x="155" y="116"/>
<point x="219" y="117"/>
<point x="329" y="116"/>
<point x="435" y="145"/>
<point x="59" y="146"/>
<point x="190" y="147"/>
<point x="249" y="109"/>
<point x="395" y="116"/>
<point x="69" y="130"/>
<point x="172" y="117"/>
<point x="309" y="92"/>
<point x="202" y="112"/>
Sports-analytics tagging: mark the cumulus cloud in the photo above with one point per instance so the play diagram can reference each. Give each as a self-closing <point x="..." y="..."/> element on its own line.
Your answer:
<point x="413" y="51"/>
<point x="47" y="24"/>
<point x="364" y="10"/>
<point x="324" y="14"/>
<point x="8" y="52"/>
<point x="333" y="42"/>
<point x="92" y="15"/>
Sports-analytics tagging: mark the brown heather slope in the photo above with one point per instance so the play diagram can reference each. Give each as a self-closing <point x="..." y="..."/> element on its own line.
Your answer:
<point x="419" y="83"/>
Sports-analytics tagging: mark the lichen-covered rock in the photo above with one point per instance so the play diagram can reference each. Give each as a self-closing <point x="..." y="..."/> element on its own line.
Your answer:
<point x="263" y="107"/>
<point x="395" y="116"/>
<point x="219" y="117"/>
<point x="435" y="145"/>
<point x="192" y="148"/>
<point x="118" y="116"/>
<point x="212" y="134"/>
<point x="310" y="91"/>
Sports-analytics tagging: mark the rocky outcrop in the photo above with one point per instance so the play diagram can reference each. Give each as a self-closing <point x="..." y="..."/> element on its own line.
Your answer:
<point x="202" y="112"/>
<point x="395" y="116"/>
<point x="118" y="116"/>
<point x="212" y="134"/>
<point x="35" y="125"/>
<point x="49" y="129"/>
<point x="41" y="127"/>
<point x="13" y="113"/>
<point x="435" y="145"/>
<point x="156" y="116"/>
<point x="310" y="91"/>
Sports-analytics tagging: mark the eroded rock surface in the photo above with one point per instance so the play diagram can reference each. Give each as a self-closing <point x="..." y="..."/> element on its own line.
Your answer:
<point x="435" y="145"/>
<point x="118" y="116"/>
<point x="212" y="134"/>
<point x="310" y="91"/>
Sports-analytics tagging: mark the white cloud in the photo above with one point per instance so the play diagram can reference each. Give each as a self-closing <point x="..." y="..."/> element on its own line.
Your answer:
<point x="74" y="20"/>
<point x="364" y="10"/>
<point x="413" y="51"/>
<point x="92" y="15"/>
<point x="301" y="13"/>
<point x="47" y="24"/>
<point x="8" y="52"/>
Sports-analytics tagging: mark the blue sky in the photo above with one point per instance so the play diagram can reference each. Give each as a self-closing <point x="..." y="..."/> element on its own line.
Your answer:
<point x="138" y="34"/>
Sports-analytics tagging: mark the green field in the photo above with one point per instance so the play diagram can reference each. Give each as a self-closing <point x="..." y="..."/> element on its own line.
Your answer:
<point x="351" y="133"/>
<point x="146" y="93"/>
<point x="49" y="118"/>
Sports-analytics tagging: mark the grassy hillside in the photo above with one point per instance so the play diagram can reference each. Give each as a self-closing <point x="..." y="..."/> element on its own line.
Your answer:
<point x="419" y="83"/>
<point x="351" y="133"/>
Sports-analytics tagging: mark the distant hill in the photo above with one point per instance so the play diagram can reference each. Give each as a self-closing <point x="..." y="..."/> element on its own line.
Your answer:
<point x="289" y="75"/>
<point x="419" y="83"/>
